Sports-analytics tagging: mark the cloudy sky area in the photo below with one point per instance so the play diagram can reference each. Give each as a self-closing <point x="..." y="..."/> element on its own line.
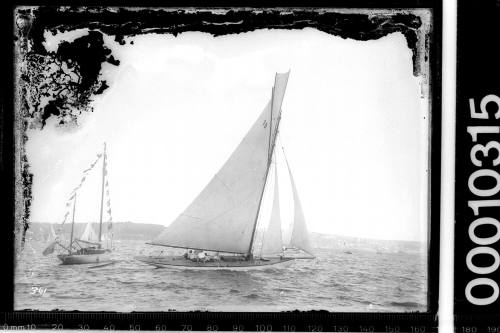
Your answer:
<point x="354" y="127"/>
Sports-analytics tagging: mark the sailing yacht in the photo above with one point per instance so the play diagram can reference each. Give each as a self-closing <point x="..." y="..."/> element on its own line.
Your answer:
<point x="91" y="247"/>
<point x="218" y="229"/>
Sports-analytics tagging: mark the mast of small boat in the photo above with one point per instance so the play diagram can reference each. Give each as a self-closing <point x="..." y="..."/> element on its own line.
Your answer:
<point x="102" y="192"/>
<point x="269" y="156"/>
<point x="72" y="226"/>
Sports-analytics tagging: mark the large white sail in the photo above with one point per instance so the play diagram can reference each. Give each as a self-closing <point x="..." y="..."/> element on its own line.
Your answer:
<point x="223" y="216"/>
<point x="273" y="243"/>
<point x="278" y="93"/>
<point x="300" y="235"/>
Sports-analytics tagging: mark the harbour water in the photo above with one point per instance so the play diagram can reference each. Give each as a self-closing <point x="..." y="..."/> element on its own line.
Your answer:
<point x="357" y="280"/>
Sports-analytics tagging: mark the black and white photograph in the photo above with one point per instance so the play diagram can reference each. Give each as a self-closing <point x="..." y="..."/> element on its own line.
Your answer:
<point x="215" y="159"/>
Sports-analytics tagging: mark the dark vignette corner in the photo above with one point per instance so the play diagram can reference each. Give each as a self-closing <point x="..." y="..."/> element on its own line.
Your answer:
<point x="435" y="158"/>
<point x="7" y="159"/>
<point x="123" y="23"/>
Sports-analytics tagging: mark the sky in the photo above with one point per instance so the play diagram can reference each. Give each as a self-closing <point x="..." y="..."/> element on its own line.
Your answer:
<point x="354" y="127"/>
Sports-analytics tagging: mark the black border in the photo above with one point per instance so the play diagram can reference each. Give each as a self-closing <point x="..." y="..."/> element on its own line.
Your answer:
<point x="478" y="74"/>
<point x="7" y="159"/>
<point x="175" y="320"/>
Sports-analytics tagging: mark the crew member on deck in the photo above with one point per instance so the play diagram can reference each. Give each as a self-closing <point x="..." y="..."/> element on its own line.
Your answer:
<point x="202" y="256"/>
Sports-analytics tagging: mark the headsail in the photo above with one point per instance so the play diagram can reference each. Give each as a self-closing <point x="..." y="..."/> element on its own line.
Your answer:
<point x="222" y="216"/>
<point x="53" y="233"/>
<point x="300" y="235"/>
<point x="89" y="234"/>
<point x="273" y="243"/>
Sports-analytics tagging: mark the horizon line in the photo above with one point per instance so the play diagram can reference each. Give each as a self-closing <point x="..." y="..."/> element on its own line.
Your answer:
<point x="310" y="231"/>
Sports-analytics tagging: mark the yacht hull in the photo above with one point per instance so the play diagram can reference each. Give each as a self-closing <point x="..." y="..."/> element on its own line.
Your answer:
<point x="79" y="259"/>
<point x="179" y="262"/>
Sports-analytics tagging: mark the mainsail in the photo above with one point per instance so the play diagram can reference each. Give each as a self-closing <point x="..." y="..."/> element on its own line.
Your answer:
<point x="223" y="216"/>
<point x="277" y="100"/>
<point x="273" y="243"/>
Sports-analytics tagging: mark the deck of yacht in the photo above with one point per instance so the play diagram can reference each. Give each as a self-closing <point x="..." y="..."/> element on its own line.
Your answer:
<point x="181" y="262"/>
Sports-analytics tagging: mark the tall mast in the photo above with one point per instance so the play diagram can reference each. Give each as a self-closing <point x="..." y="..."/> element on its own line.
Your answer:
<point x="72" y="226"/>
<point x="271" y="127"/>
<point x="270" y="154"/>
<point x="102" y="191"/>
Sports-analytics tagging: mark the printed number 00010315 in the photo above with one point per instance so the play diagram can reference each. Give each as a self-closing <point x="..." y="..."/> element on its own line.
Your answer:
<point x="481" y="153"/>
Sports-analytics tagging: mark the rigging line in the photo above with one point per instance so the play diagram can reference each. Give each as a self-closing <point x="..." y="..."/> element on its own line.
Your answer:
<point x="259" y="224"/>
<point x="104" y="172"/>
<point x="284" y="155"/>
<point x="227" y="187"/>
<point x="193" y="217"/>
<point x="290" y="178"/>
<point x="269" y="152"/>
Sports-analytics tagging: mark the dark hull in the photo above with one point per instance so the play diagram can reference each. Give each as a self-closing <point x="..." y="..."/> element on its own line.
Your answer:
<point x="79" y="259"/>
<point x="180" y="262"/>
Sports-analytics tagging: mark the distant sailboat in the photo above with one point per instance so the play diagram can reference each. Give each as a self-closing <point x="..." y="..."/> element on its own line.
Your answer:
<point x="223" y="218"/>
<point x="91" y="247"/>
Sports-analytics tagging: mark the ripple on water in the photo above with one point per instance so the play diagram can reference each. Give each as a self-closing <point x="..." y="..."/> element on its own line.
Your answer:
<point x="337" y="281"/>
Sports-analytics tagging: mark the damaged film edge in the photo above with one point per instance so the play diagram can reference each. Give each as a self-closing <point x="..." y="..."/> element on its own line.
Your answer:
<point x="62" y="85"/>
<point x="477" y="171"/>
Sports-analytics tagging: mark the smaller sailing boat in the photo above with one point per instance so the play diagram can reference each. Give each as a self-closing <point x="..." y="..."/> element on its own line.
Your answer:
<point x="90" y="247"/>
<point x="218" y="228"/>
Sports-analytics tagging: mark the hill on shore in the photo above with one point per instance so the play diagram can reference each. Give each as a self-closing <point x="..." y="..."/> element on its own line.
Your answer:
<point x="148" y="231"/>
<point x="121" y="230"/>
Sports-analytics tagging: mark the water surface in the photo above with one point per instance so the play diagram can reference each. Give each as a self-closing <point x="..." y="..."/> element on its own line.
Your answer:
<point x="355" y="280"/>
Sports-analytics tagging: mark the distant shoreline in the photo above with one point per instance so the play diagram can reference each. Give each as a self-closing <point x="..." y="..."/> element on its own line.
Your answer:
<point x="148" y="231"/>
